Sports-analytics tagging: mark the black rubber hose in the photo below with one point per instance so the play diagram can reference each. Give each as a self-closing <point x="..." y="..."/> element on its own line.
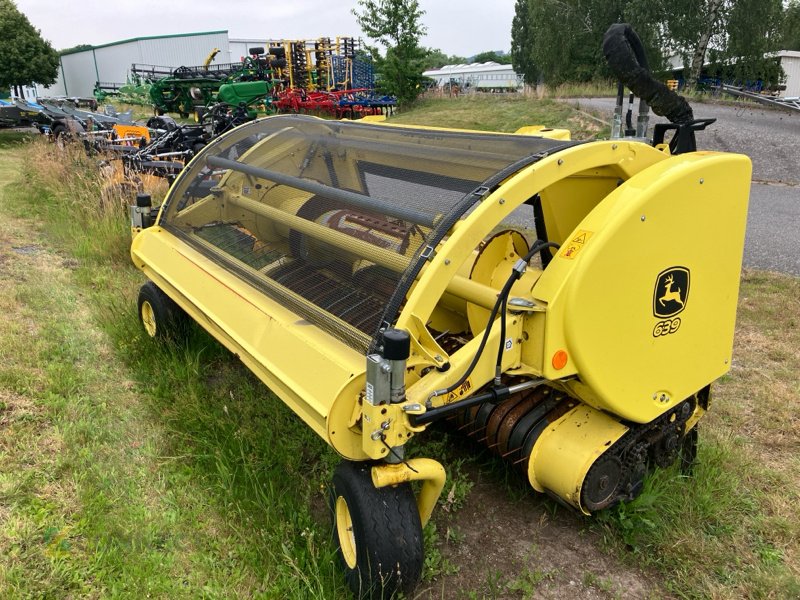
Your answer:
<point x="502" y="297"/>
<point x="538" y="246"/>
<point x="625" y="55"/>
<point x="486" y="332"/>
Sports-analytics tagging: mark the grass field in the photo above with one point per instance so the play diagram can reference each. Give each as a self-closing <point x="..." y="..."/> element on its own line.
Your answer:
<point x="508" y="113"/>
<point x="132" y="470"/>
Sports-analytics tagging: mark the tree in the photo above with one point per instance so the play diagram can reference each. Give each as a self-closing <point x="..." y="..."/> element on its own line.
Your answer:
<point x="396" y="25"/>
<point x="562" y="39"/>
<point x="436" y="59"/>
<point x="492" y="56"/>
<point x="522" y="42"/>
<point x="736" y="34"/>
<point x="790" y="30"/>
<point x="753" y="31"/>
<point x="26" y="57"/>
<point x="693" y="26"/>
<point x="78" y="48"/>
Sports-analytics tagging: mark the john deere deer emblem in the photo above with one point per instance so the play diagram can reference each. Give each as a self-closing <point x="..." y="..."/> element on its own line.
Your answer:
<point x="671" y="293"/>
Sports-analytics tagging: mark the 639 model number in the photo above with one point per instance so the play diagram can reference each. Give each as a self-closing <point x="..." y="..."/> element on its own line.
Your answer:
<point x="666" y="327"/>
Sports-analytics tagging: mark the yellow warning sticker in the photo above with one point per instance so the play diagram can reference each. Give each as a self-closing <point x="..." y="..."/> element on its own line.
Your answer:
<point x="572" y="248"/>
<point x="459" y="392"/>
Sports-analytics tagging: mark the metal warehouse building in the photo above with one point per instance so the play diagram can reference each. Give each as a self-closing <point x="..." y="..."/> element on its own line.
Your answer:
<point x="80" y="69"/>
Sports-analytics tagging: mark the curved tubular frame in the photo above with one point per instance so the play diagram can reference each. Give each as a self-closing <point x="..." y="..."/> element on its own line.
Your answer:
<point x="627" y="158"/>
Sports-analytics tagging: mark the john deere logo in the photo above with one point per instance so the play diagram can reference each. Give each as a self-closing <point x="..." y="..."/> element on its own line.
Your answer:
<point x="672" y="292"/>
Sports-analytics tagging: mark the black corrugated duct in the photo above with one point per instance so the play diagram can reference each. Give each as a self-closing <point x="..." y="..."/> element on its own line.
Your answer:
<point x="625" y="55"/>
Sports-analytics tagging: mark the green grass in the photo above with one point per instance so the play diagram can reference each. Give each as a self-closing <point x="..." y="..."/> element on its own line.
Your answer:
<point x="496" y="112"/>
<point x="130" y="469"/>
<point x="731" y="530"/>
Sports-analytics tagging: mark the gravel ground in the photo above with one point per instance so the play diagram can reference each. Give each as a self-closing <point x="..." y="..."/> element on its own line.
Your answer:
<point x="768" y="136"/>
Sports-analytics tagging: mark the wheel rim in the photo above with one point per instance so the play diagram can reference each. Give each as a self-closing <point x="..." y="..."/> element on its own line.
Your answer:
<point x="344" y="528"/>
<point x="149" y="318"/>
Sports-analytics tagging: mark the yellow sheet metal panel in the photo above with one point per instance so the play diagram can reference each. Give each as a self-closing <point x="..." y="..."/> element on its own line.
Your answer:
<point x="542" y="131"/>
<point x="646" y="309"/>
<point x="252" y="326"/>
<point x="566" y="449"/>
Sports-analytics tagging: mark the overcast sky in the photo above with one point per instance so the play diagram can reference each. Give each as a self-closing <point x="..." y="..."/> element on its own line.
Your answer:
<point x="465" y="27"/>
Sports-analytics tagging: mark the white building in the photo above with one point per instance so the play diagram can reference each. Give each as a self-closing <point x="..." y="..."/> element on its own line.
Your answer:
<point x="240" y="48"/>
<point x="790" y="61"/>
<point x="80" y="69"/>
<point x="480" y="76"/>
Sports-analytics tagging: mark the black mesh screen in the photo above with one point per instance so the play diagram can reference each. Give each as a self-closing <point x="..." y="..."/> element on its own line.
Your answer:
<point x="333" y="218"/>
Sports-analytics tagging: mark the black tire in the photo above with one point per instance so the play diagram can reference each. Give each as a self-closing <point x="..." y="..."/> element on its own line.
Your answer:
<point x="61" y="135"/>
<point x="161" y="318"/>
<point x="377" y="532"/>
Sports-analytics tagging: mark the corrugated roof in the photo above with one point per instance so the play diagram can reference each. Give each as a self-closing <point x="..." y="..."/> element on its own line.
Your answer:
<point x="148" y="37"/>
<point x="468" y="68"/>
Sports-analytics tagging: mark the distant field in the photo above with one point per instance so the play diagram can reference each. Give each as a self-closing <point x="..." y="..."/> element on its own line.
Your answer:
<point x="130" y="470"/>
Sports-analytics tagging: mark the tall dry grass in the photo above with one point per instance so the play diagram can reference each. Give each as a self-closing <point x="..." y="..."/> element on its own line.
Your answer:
<point x="85" y="196"/>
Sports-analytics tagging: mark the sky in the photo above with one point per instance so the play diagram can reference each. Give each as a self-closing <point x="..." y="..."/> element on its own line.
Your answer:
<point x="471" y="27"/>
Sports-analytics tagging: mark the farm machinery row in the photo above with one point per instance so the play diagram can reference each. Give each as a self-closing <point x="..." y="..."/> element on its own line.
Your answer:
<point x="129" y="152"/>
<point x="58" y="116"/>
<point x="322" y="76"/>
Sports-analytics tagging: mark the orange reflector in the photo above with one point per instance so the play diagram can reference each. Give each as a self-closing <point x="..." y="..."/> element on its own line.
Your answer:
<point x="560" y="359"/>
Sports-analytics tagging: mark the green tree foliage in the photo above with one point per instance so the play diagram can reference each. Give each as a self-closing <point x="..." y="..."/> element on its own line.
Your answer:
<point x="396" y="25"/>
<point x="562" y="38"/>
<point x="522" y="36"/>
<point x="734" y="35"/>
<point x="753" y="30"/>
<point x="78" y="48"/>
<point x="436" y="59"/>
<point x="694" y="26"/>
<point x="26" y="57"/>
<point x="790" y="29"/>
<point x="492" y="56"/>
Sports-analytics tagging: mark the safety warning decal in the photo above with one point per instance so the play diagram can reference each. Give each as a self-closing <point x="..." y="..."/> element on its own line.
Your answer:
<point x="572" y="248"/>
<point x="460" y="391"/>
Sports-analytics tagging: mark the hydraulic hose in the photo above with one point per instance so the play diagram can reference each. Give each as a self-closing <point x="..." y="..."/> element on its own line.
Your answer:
<point x="516" y="273"/>
<point x="503" y="293"/>
<point x="625" y="55"/>
<point x="502" y="297"/>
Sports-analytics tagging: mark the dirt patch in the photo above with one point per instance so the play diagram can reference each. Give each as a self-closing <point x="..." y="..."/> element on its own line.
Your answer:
<point x="527" y="547"/>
